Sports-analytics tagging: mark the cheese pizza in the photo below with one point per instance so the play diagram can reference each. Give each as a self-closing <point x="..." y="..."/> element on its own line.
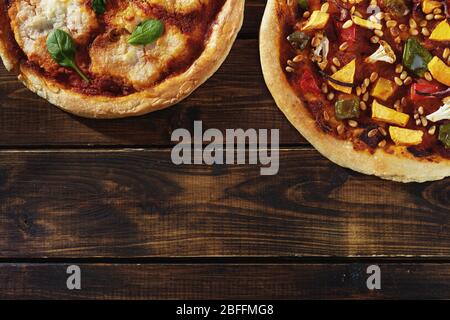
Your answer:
<point x="116" y="58"/>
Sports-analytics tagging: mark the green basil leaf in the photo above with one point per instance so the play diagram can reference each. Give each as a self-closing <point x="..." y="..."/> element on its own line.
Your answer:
<point x="99" y="6"/>
<point x="146" y="32"/>
<point x="61" y="47"/>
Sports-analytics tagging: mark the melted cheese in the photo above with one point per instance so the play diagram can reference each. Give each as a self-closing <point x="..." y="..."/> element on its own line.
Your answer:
<point x="33" y="20"/>
<point x="138" y="65"/>
<point x="180" y="6"/>
<point x="128" y="18"/>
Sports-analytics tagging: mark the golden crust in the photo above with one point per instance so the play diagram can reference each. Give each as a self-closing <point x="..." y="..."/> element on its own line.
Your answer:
<point x="10" y="60"/>
<point x="398" y="166"/>
<point x="165" y="94"/>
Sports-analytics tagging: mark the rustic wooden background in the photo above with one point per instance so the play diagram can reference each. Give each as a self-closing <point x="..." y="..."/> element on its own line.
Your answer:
<point x="105" y="195"/>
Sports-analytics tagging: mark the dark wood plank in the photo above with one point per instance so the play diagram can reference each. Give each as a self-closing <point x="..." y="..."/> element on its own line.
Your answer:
<point x="236" y="97"/>
<point x="254" y="10"/>
<point x="225" y="281"/>
<point x="138" y="204"/>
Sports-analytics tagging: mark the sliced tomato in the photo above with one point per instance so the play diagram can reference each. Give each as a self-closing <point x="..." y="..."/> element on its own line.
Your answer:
<point x="425" y="87"/>
<point x="307" y="82"/>
<point x="348" y="34"/>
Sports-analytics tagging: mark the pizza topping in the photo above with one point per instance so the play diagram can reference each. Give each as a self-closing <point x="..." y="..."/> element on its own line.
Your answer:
<point x="317" y="20"/>
<point x="181" y="6"/>
<point x="416" y="57"/>
<point x="436" y="94"/>
<point x="383" y="53"/>
<point x="385" y="114"/>
<point x="444" y="134"/>
<point x="298" y="40"/>
<point x="405" y="137"/>
<point x="429" y="5"/>
<point x="62" y="49"/>
<point x="340" y="83"/>
<point x="147" y="32"/>
<point x="425" y="90"/>
<point x="443" y="113"/>
<point x="139" y="65"/>
<point x="99" y="6"/>
<point x="127" y="17"/>
<point x="373" y="136"/>
<point x="368" y="24"/>
<point x="320" y="53"/>
<point x="33" y="20"/>
<point x="347" y="108"/>
<point x="133" y="45"/>
<point x="346" y="74"/>
<point x="441" y="32"/>
<point x="308" y="83"/>
<point x="397" y="61"/>
<point x="439" y="70"/>
<point x="396" y="7"/>
<point x="303" y="4"/>
<point x="347" y="34"/>
<point x="383" y="89"/>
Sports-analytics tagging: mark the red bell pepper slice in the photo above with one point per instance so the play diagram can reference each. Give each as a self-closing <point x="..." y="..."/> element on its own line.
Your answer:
<point x="308" y="83"/>
<point x="425" y="87"/>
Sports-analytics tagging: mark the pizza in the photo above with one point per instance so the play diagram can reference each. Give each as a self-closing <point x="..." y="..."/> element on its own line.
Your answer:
<point x="366" y="82"/>
<point x="116" y="58"/>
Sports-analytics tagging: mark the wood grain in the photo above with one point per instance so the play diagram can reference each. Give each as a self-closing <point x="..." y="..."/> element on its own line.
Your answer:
<point x="254" y="10"/>
<point x="225" y="281"/>
<point x="63" y="200"/>
<point x="136" y="203"/>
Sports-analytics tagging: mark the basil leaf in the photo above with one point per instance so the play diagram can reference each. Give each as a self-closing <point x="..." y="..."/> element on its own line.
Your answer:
<point x="61" y="47"/>
<point x="99" y="6"/>
<point x="146" y="32"/>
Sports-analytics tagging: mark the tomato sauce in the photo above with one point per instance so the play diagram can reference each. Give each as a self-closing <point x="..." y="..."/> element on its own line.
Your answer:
<point x="196" y="24"/>
<point x="361" y="46"/>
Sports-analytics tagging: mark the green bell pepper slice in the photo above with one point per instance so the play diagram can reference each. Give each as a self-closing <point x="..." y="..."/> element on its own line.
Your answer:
<point x="347" y="109"/>
<point x="416" y="57"/>
<point x="298" y="40"/>
<point x="444" y="134"/>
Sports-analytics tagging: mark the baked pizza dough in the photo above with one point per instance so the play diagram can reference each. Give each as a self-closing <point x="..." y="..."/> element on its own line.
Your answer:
<point x="370" y="137"/>
<point x="124" y="79"/>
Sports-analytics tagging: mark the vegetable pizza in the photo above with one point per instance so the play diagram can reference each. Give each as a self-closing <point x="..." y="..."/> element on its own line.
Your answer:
<point x="365" y="81"/>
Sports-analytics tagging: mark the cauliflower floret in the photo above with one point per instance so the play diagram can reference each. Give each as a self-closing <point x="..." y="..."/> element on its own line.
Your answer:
<point x="383" y="53"/>
<point x="443" y="113"/>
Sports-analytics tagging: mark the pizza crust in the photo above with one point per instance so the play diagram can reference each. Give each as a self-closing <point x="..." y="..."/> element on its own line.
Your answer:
<point x="169" y="92"/>
<point x="398" y="166"/>
<point x="9" y="58"/>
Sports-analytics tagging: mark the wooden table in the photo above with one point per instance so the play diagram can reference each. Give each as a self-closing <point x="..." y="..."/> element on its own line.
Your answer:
<point x="104" y="195"/>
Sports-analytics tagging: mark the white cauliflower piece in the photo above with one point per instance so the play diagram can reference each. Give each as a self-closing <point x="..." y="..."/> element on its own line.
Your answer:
<point x="443" y="113"/>
<point x="321" y="52"/>
<point x="383" y="53"/>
